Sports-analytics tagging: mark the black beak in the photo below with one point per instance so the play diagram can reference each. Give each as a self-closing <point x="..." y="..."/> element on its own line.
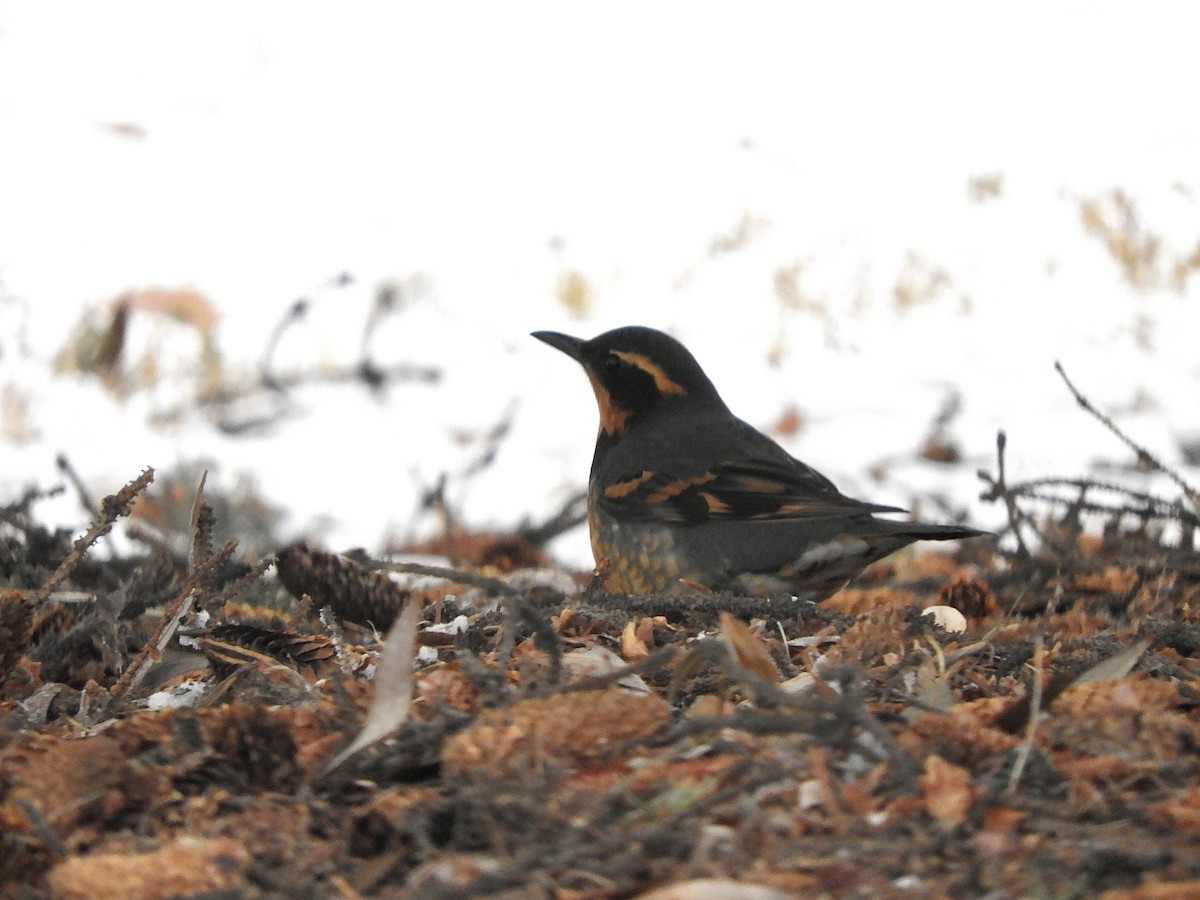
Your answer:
<point x="572" y="346"/>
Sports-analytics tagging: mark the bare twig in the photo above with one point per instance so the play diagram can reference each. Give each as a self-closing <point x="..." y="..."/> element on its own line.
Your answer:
<point x="192" y="589"/>
<point x="42" y="828"/>
<point x="1000" y="490"/>
<point x="462" y="576"/>
<point x="903" y="764"/>
<point x="492" y="439"/>
<point x="201" y="520"/>
<point x="1035" y="709"/>
<point x="86" y="500"/>
<point x="294" y="314"/>
<point x="328" y="375"/>
<point x="655" y="660"/>
<point x="228" y="394"/>
<point x="1152" y="507"/>
<point x="153" y="538"/>
<point x="1035" y="694"/>
<point x="390" y="299"/>
<point x="12" y="512"/>
<point x="572" y="514"/>
<point x="175" y="613"/>
<point x="545" y="636"/>
<point x="236" y="587"/>
<point x="1144" y="455"/>
<point x="111" y="509"/>
<point x="180" y="607"/>
<point x="435" y="499"/>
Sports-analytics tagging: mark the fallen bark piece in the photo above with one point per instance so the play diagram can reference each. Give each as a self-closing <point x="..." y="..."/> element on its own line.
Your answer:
<point x="567" y="729"/>
<point x="187" y="866"/>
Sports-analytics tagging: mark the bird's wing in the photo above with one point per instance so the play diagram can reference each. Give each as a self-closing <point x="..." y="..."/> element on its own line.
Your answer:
<point x="747" y="490"/>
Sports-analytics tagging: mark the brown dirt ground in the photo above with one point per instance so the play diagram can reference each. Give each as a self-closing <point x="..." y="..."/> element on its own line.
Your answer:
<point x="850" y="749"/>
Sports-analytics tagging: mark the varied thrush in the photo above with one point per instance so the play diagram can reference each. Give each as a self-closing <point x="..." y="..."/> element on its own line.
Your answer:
<point x="683" y="493"/>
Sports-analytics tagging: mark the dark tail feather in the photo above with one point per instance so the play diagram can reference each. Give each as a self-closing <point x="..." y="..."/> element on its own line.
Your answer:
<point x="923" y="531"/>
<point x="884" y="536"/>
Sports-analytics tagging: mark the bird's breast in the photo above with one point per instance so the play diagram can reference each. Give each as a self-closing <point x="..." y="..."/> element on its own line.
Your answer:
<point x="640" y="557"/>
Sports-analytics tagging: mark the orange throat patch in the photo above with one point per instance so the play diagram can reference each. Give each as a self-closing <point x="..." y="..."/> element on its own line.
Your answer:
<point x="613" y="419"/>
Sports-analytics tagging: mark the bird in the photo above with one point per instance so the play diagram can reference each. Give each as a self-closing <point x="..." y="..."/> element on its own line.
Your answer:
<point x="683" y="495"/>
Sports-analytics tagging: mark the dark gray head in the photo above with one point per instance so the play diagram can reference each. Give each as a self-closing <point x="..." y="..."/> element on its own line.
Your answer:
<point x="634" y="370"/>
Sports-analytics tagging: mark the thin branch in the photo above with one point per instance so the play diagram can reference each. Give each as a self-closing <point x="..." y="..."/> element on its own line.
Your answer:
<point x="175" y="613"/>
<point x="297" y="311"/>
<point x="201" y="520"/>
<point x="111" y="509"/>
<point x="655" y="660"/>
<point x="1155" y="507"/>
<point x="42" y="828"/>
<point x="545" y="636"/>
<point x="572" y="514"/>
<point x="1035" y="710"/>
<point x="1144" y="455"/>
<point x="461" y="576"/>
<point x="1000" y="490"/>
<point x="137" y="669"/>
<point x="235" y="587"/>
<point x="86" y="500"/>
<point x="12" y="512"/>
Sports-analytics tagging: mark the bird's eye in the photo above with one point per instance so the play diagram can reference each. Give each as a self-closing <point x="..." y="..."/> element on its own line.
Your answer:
<point x="612" y="364"/>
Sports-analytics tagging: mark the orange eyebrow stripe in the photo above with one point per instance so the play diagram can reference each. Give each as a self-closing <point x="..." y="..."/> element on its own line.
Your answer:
<point x="661" y="381"/>
<point x="624" y="488"/>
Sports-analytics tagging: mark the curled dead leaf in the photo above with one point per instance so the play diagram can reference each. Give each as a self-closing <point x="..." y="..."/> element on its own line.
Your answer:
<point x="946" y="790"/>
<point x="393" y="685"/>
<point x="633" y="647"/>
<point x="751" y="652"/>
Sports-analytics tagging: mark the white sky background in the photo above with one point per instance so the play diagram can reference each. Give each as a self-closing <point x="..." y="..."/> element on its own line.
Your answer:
<point x="488" y="148"/>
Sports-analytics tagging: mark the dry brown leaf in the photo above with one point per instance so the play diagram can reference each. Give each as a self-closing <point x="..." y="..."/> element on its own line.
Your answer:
<point x="946" y="790"/>
<point x="751" y="652"/>
<point x="1116" y="666"/>
<point x="646" y="626"/>
<point x="708" y="706"/>
<point x="633" y="647"/>
<point x="596" y="661"/>
<point x="184" y="304"/>
<point x="393" y="685"/>
<point x="932" y="690"/>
